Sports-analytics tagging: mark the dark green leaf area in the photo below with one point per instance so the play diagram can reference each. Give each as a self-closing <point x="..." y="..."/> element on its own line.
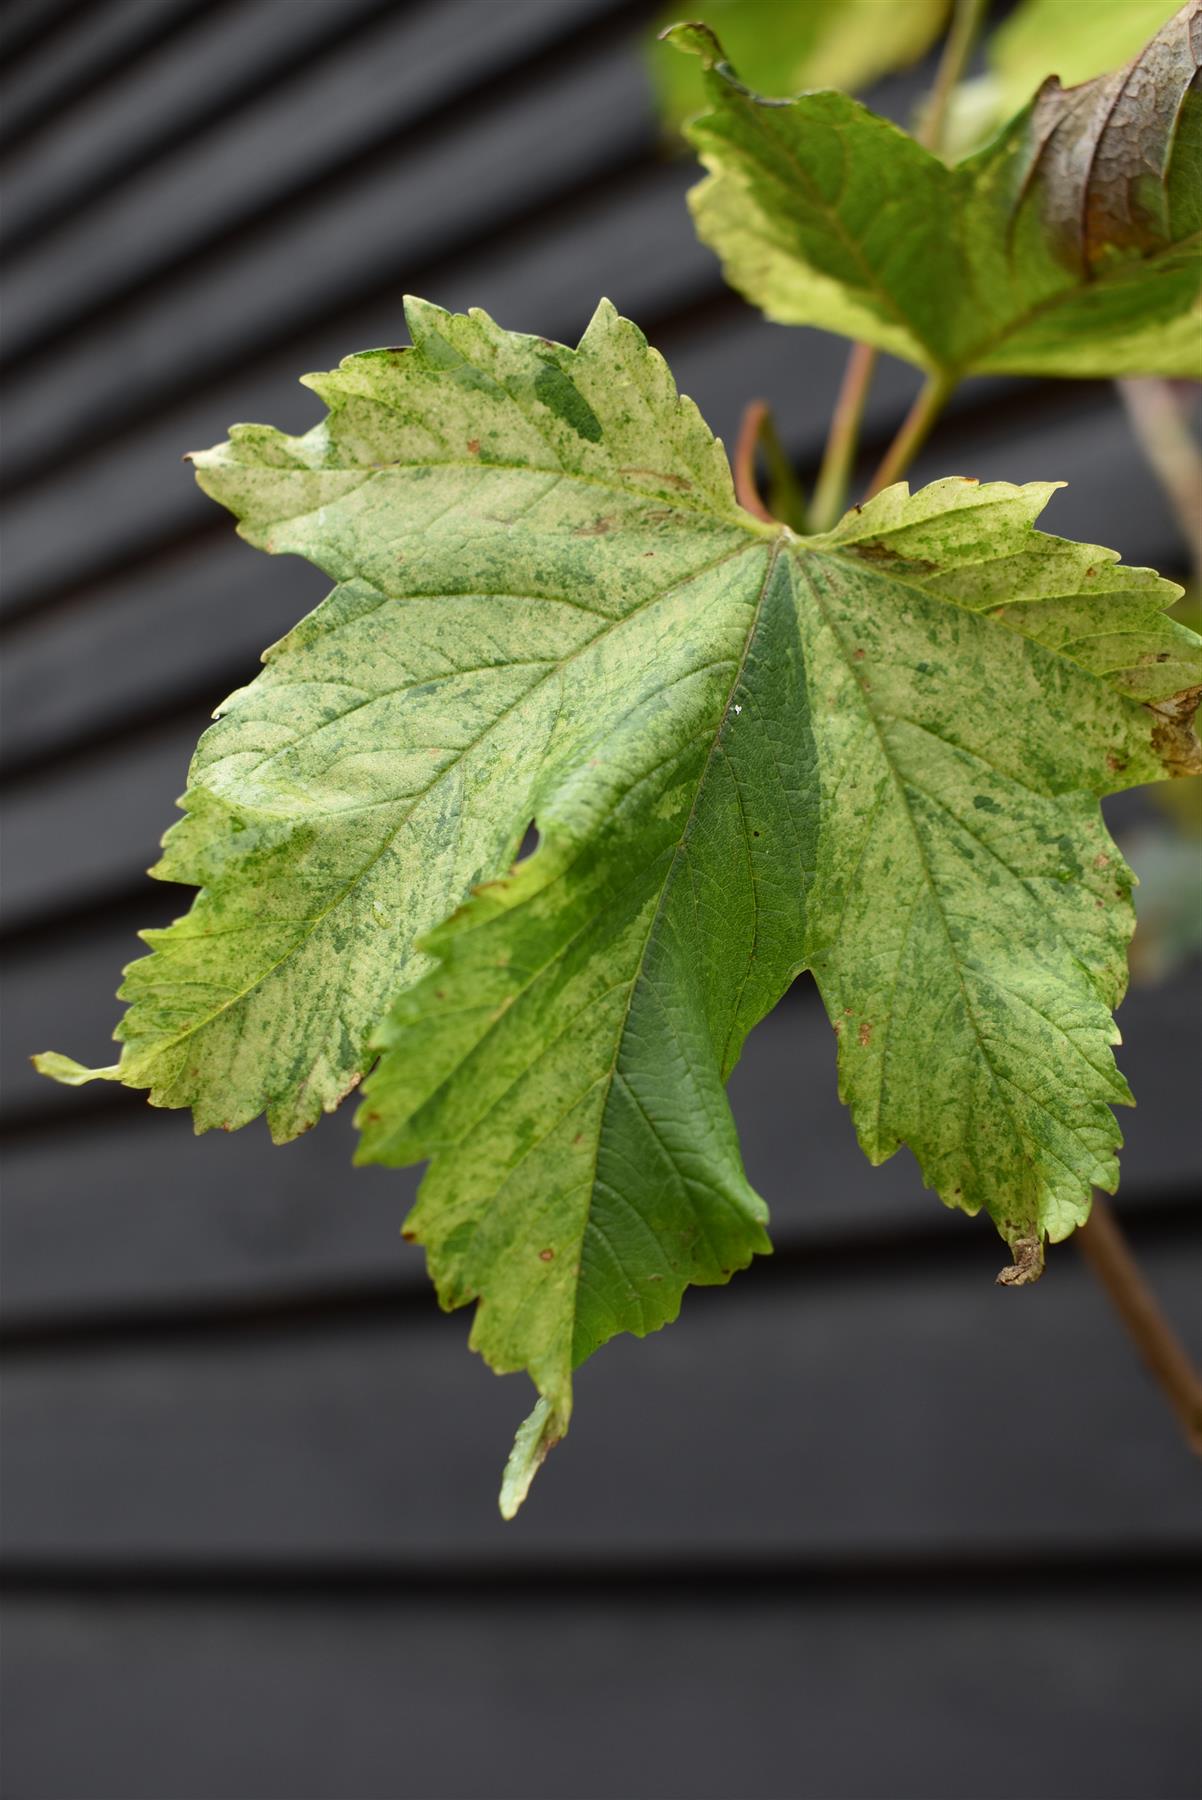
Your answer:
<point x="565" y="1064"/>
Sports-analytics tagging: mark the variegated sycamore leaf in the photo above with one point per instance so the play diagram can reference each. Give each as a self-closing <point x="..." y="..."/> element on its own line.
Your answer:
<point x="875" y="754"/>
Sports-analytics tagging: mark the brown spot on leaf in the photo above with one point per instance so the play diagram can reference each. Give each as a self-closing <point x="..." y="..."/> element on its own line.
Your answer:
<point x="857" y="656"/>
<point x="598" y="528"/>
<point x="1174" y="737"/>
<point x="1115" y="763"/>
<point x="473" y="446"/>
<point x="1101" y="860"/>
<point x="546" y="1256"/>
<point x="1096" y="153"/>
<point x="865" y="1033"/>
<point x="874" y="551"/>
<point x="1027" y="1265"/>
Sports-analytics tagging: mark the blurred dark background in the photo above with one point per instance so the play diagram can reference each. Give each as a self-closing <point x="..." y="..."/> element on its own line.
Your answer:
<point x="863" y="1525"/>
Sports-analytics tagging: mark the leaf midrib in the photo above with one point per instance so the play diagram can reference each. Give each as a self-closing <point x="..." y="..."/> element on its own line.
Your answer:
<point x="669" y="880"/>
<point x="608" y="1076"/>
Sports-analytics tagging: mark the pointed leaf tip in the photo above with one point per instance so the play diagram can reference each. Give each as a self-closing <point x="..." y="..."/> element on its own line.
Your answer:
<point x="421" y="316"/>
<point x="693" y="38"/>
<point x="70" y="1073"/>
<point x="537" y="1436"/>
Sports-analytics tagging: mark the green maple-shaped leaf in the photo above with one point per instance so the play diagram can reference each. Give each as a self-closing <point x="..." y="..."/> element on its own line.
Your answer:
<point x="1067" y="246"/>
<point x="876" y="754"/>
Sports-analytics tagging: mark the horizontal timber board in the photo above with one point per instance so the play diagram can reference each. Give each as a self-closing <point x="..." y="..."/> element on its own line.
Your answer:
<point x="86" y="47"/>
<point x="25" y="26"/>
<point x="820" y="1698"/>
<point x="507" y="155"/>
<point x="158" y="103"/>
<point x="157" y="1218"/>
<point x="411" y="63"/>
<point x="931" y="1413"/>
<point x="193" y="621"/>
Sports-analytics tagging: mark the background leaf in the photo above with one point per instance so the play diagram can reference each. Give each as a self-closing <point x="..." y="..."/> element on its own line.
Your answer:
<point x="1069" y="246"/>
<point x="1039" y="38"/>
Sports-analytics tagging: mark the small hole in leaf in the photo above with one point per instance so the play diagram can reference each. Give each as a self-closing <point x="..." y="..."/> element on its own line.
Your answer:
<point x="530" y="842"/>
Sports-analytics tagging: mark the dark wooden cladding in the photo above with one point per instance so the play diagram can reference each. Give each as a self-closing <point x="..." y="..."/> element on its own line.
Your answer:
<point x="263" y="1440"/>
<point x="617" y="1691"/>
<point x="864" y="1524"/>
<point x="84" y="48"/>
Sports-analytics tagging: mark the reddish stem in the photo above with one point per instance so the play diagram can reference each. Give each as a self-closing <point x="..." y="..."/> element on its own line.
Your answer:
<point x="746" y="491"/>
